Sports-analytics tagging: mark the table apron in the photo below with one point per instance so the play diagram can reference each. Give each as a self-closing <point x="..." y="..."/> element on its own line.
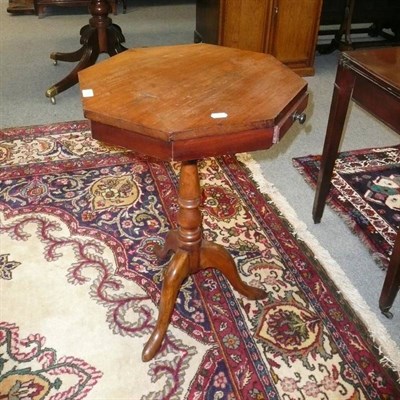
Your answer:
<point x="188" y="149"/>
<point x="378" y="101"/>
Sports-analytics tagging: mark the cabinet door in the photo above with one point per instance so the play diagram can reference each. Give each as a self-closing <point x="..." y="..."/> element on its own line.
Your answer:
<point x="207" y="21"/>
<point x="243" y="24"/>
<point x="294" y="33"/>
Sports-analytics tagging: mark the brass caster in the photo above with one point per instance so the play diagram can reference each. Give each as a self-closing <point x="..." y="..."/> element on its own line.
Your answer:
<point x="51" y="94"/>
<point x="53" y="56"/>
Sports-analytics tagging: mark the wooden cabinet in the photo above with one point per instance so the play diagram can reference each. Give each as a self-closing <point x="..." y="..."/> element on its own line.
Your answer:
<point x="287" y="29"/>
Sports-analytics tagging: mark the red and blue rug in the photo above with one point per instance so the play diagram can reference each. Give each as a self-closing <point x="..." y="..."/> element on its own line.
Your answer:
<point x="365" y="192"/>
<point x="80" y="285"/>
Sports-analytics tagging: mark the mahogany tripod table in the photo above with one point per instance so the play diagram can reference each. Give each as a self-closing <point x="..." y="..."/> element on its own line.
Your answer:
<point x="371" y="78"/>
<point x="99" y="36"/>
<point x="185" y="103"/>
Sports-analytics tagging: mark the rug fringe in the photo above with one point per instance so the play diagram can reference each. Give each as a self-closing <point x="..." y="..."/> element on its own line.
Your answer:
<point x="386" y="346"/>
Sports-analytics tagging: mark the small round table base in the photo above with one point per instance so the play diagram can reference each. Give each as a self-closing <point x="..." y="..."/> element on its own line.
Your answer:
<point x="192" y="254"/>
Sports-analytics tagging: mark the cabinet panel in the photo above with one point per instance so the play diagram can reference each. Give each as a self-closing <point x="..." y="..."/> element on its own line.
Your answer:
<point x="208" y="14"/>
<point x="294" y="31"/>
<point x="287" y="29"/>
<point x="243" y="24"/>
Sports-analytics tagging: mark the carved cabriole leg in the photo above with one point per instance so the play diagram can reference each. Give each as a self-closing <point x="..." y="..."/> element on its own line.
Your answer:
<point x="191" y="255"/>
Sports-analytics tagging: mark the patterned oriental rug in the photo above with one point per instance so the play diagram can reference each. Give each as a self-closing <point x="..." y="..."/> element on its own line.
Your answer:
<point x="80" y="284"/>
<point x="365" y="193"/>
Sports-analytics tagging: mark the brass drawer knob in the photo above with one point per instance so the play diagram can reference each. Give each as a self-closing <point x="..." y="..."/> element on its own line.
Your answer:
<point x="299" y="117"/>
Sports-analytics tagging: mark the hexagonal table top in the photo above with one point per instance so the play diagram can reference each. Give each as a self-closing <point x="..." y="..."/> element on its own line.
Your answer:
<point x="178" y="97"/>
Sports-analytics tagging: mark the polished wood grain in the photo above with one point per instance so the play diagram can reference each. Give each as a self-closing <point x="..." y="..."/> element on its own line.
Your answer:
<point x="286" y="29"/>
<point x="293" y="41"/>
<point x="372" y="79"/>
<point x="170" y="93"/>
<point x="382" y="64"/>
<point x="161" y="101"/>
<point x="244" y="24"/>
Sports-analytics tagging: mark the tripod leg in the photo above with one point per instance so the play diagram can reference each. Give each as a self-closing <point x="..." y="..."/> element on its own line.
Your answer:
<point x="68" y="57"/>
<point x="177" y="271"/>
<point x="88" y="59"/>
<point x="213" y="255"/>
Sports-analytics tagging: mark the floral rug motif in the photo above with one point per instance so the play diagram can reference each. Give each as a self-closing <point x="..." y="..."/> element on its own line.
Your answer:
<point x="365" y="192"/>
<point x="80" y="285"/>
<point x="33" y="371"/>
